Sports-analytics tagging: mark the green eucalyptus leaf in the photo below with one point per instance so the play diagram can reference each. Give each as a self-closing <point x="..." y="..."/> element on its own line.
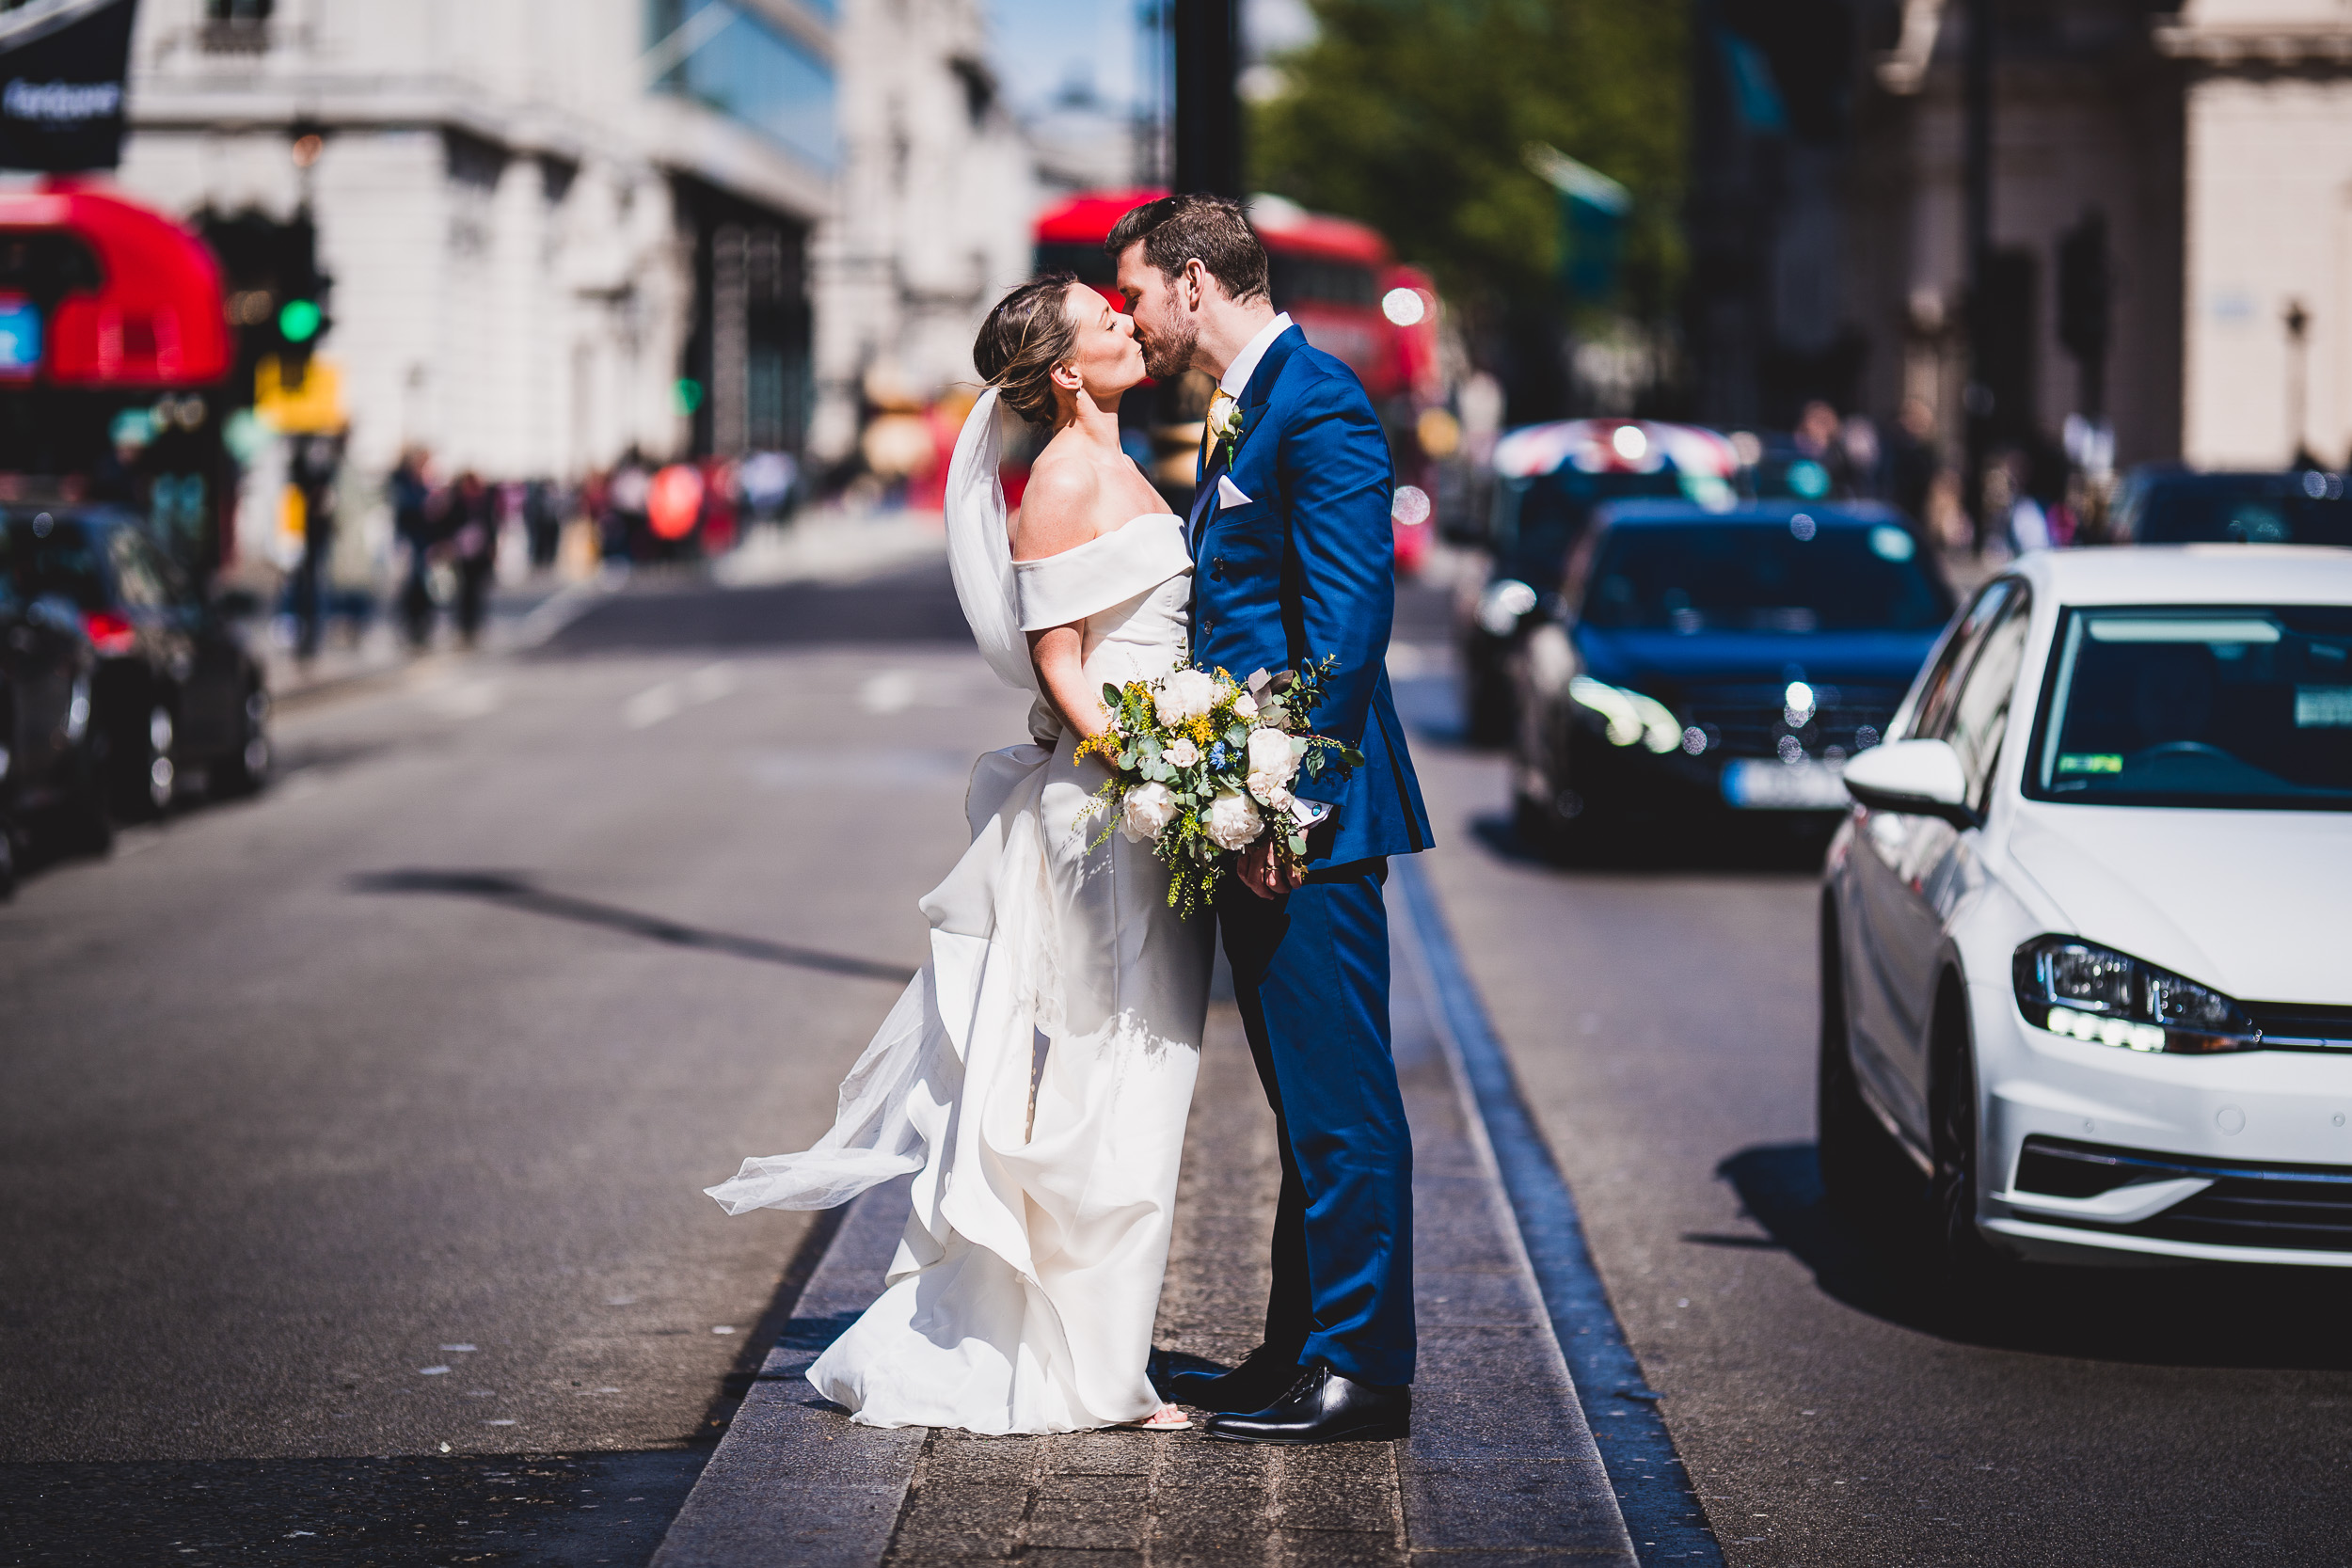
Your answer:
<point x="1299" y="844"/>
<point x="1112" y="697"/>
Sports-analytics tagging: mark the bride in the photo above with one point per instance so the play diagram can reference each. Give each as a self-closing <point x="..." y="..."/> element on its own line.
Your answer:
<point x="1035" y="1075"/>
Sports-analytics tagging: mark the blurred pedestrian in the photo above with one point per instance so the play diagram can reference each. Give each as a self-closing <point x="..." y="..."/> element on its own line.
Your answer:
<point x="624" y="525"/>
<point x="473" y="549"/>
<point x="1817" y="438"/>
<point x="414" y="523"/>
<point x="1913" y="461"/>
<point x="543" y="521"/>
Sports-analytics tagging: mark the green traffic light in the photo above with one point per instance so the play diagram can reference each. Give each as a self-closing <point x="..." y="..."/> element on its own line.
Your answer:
<point x="299" y="321"/>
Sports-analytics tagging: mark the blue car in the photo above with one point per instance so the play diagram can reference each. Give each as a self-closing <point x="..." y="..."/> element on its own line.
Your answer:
<point x="1717" y="666"/>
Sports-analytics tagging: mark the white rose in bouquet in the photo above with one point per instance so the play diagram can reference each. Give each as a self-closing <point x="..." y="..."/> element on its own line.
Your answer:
<point x="1183" y="753"/>
<point x="1272" y="754"/>
<point x="1146" y="811"/>
<point x="1233" y="821"/>
<point x="1184" y="694"/>
<point x="1273" y="791"/>
<point x="1245" y="707"/>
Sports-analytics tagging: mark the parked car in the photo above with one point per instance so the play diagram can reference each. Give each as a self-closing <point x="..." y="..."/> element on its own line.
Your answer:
<point x="1703" y="666"/>
<point x="48" y="767"/>
<point x="2083" y="933"/>
<point x="1549" y="477"/>
<point x="2160" y="505"/>
<point x="175" y="691"/>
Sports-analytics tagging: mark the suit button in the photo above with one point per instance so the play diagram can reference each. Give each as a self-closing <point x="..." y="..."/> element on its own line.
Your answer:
<point x="1217" y="568"/>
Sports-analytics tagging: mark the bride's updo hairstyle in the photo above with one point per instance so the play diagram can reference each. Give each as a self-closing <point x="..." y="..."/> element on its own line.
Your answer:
<point x="1029" y="332"/>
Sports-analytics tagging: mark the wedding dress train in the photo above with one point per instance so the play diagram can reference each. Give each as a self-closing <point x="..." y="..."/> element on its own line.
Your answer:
<point x="1035" y="1075"/>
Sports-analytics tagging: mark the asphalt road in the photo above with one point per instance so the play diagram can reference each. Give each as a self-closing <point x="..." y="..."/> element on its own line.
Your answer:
<point x="351" y="1139"/>
<point x="418" y="1061"/>
<point x="1661" y="1017"/>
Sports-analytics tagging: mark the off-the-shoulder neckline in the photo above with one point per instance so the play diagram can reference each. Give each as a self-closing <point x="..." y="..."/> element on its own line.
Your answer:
<point x="1113" y="534"/>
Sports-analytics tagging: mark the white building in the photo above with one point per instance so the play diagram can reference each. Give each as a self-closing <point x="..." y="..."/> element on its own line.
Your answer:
<point x="938" y="192"/>
<point x="557" y="228"/>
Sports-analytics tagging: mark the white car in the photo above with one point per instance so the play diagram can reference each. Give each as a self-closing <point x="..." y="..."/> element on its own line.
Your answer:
<point x="2086" y="933"/>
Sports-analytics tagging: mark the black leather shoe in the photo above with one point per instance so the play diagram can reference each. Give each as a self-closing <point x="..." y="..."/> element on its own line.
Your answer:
<point x="1324" y="1407"/>
<point x="1258" y="1381"/>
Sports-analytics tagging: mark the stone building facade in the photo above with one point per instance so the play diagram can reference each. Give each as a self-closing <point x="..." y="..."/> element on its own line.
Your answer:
<point x="938" y="190"/>
<point x="2214" y="144"/>
<point x="557" y="229"/>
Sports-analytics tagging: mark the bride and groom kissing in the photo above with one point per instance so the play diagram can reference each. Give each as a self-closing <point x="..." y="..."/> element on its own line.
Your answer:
<point x="1035" y="1077"/>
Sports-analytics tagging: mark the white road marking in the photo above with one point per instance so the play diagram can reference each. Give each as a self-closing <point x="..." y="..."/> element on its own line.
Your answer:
<point x="671" y="698"/>
<point x="892" y="691"/>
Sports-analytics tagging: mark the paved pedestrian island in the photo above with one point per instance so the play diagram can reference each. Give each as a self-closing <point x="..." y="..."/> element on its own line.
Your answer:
<point x="1500" y="1467"/>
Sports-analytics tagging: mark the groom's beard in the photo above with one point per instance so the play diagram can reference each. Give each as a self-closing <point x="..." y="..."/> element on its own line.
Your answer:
<point x="1167" y="351"/>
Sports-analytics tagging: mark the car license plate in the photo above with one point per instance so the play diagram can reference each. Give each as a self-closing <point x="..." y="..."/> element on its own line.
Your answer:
<point x="1771" y="785"/>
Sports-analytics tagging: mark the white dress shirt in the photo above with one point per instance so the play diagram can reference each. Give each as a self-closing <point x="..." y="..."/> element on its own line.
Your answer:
<point x="1245" y="364"/>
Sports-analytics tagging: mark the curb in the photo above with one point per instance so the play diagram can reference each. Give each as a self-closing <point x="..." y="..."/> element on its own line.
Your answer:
<point x="758" y="1501"/>
<point x="1660" y="1507"/>
<point x="1503" y="1463"/>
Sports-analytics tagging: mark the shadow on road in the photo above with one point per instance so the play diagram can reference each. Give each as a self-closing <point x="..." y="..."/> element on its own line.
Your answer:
<point x="516" y="891"/>
<point x="2192" y="1316"/>
<point x="916" y="605"/>
<point x="1764" y="846"/>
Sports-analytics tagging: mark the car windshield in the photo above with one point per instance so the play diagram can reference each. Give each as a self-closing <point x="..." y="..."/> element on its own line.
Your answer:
<point x="1538" y="521"/>
<point x="1798" y="575"/>
<point x="56" y="556"/>
<point x="2309" y="508"/>
<point x="2240" y="707"/>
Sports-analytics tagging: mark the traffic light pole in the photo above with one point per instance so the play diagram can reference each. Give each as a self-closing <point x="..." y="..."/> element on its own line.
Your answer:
<point x="1977" y="156"/>
<point x="1208" y="112"/>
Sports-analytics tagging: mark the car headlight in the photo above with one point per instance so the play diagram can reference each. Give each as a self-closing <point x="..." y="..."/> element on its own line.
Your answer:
<point x="1502" y="604"/>
<point x="2075" y="988"/>
<point x="1629" y="716"/>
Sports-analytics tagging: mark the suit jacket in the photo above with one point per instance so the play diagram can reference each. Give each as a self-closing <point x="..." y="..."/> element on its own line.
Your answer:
<point x="1306" y="569"/>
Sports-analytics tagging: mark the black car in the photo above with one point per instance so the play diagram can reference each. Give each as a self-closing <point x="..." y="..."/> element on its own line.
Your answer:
<point x="47" y="759"/>
<point x="1548" y="479"/>
<point x="1708" y="665"/>
<point x="175" y="691"/>
<point x="2159" y="504"/>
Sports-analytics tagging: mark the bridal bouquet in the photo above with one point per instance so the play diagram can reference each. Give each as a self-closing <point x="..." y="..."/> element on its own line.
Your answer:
<point x="1201" y="768"/>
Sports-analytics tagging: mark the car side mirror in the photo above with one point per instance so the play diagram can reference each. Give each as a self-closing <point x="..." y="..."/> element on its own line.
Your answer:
<point x="1921" y="778"/>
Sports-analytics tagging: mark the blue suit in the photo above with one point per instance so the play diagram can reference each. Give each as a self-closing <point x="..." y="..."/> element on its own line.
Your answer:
<point x="1306" y="569"/>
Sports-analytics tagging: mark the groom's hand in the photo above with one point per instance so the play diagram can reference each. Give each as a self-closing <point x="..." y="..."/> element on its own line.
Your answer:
<point x="1265" y="875"/>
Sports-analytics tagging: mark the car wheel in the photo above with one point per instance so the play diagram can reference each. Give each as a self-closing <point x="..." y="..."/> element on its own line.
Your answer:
<point x="1487" y="697"/>
<point x="1967" y="1266"/>
<point x="145" y="777"/>
<point x="246" y="769"/>
<point x="1864" y="1175"/>
<point x="84" y="825"/>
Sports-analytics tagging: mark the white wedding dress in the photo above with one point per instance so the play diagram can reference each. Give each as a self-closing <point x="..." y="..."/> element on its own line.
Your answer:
<point x="1035" y="1075"/>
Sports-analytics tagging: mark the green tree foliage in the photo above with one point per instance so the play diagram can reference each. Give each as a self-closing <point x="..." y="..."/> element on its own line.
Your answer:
<point x="1414" y="116"/>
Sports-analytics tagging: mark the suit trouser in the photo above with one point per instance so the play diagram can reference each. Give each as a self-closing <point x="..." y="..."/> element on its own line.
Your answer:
<point x="1311" y="974"/>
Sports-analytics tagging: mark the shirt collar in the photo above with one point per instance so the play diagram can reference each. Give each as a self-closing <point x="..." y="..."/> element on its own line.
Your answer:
<point x="1245" y="364"/>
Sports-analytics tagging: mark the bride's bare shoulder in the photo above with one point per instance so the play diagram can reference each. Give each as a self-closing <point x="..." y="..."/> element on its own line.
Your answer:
<point x="1058" y="507"/>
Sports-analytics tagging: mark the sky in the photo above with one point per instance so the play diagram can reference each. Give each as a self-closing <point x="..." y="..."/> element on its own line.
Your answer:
<point x="1042" y="46"/>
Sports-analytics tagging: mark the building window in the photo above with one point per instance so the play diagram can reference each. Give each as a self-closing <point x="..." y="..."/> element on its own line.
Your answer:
<point x="236" y="26"/>
<point x="744" y="66"/>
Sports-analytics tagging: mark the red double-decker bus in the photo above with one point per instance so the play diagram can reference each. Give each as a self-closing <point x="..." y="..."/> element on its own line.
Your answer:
<point x="1338" y="280"/>
<point x="1343" y="286"/>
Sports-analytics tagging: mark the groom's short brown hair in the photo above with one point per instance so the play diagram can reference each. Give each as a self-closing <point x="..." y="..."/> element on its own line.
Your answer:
<point x="1211" y="229"/>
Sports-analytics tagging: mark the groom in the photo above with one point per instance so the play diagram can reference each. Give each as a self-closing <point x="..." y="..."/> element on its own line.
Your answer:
<point x="1293" y="563"/>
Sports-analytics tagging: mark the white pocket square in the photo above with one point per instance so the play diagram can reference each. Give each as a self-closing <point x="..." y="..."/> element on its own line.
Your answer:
<point x="1229" y="492"/>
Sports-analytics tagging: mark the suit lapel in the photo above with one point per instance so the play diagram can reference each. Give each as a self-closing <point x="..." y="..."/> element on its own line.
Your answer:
<point x="1253" y="400"/>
